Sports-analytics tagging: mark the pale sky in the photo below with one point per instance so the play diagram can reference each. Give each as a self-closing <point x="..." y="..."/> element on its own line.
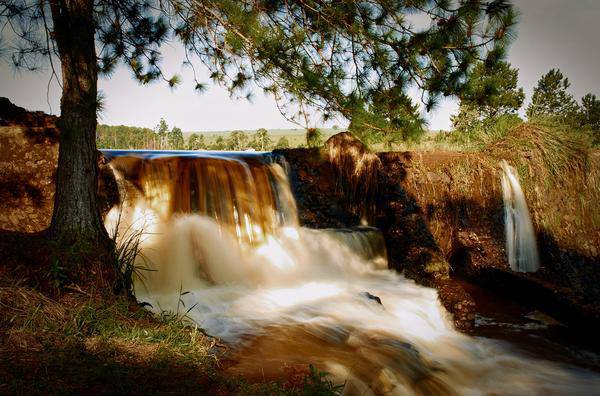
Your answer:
<point x="551" y="34"/>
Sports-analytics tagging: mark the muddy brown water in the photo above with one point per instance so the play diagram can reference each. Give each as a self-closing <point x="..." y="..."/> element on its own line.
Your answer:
<point x="534" y="332"/>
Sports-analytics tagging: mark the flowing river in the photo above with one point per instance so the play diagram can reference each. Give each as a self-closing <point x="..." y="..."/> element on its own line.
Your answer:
<point x="221" y="244"/>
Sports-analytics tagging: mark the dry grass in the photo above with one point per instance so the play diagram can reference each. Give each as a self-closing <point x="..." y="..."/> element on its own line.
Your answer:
<point x="560" y="175"/>
<point x="357" y="170"/>
<point x="79" y="341"/>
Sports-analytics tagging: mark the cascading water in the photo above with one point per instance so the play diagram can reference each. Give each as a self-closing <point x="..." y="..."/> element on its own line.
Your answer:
<point x="222" y="237"/>
<point x="521" y="245"/>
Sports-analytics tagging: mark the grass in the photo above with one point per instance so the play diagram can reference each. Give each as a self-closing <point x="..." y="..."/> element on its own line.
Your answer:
<point x="65" y="345"/>
<point x="69" y="340"/>
<point x="78" y="342"/>
<point x="59" y="338"/>
<point x="433" y="141"/>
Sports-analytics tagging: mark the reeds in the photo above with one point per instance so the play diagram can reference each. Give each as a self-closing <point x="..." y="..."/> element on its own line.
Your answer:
<point x="130" y="261"/>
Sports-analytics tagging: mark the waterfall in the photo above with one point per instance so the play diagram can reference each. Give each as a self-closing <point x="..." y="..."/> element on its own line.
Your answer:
<point x="521" y="245"/>
<point x="243" y="193"/>
<point x="222" y="246"/>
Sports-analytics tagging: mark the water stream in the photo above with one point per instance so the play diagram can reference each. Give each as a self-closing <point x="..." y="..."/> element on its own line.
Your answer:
<point x="521" y="245"/>
<point x="221" y="237"/>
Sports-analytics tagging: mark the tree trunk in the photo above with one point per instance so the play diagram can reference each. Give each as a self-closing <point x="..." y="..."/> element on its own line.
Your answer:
<point x="76" y="215"/>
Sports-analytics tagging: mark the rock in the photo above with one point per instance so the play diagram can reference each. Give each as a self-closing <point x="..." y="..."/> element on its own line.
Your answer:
<point x="458" y="303"/>
<point x="372" y="297"/>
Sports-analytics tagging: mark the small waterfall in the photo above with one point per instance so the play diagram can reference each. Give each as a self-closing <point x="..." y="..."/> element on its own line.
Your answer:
<point x="521" y="245"/>
<point x="244" y="193"/>
<point x="366" y="242"/>
<point x="222" y="241"/>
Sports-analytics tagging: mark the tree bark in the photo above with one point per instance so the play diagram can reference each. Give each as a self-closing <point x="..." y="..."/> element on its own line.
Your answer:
<point x="76" y="215"/>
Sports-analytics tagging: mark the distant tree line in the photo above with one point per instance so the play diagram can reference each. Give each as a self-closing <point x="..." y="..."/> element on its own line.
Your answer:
<point x="163" y="138"/>
<point x="132" y="138"/>
<point x="238" y="140"/>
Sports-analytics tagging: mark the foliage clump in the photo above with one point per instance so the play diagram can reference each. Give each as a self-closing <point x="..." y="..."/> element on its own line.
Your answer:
<point x="488" y="105"/>
<point x="237" y="140"/>
<point x="282" y="143"/>
<point x="314" y="137"/>
<point x="552" y="100"/>
<point x="357" y="170"/>
<point x="261" y="141"/>
<point x="196" y="142"/>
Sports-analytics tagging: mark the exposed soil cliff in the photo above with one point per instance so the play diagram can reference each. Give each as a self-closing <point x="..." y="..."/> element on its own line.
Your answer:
<point x="28" y="158"/>
<point x="461" y="197"/>
<point x="29" y="142"/>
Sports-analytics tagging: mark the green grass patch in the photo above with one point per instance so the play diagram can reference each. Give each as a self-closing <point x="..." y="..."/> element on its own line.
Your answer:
<point x="79" y="343"/>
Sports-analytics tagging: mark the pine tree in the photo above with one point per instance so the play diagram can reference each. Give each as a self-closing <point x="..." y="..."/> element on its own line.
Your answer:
<point x="489" y="104"/>
<point x="162" y="129"/>
<point x="196" y="142"/>
<point x="237" y="141"/>
<point x="552" y="100"/>
<point x="493" y="91"/>
<point x="590" y="116"/>
<point x="340" y="57"/>
<point x="261" y="140"/>
<point x="201" y="145"/>
<point x="590" y="111"/>
<point x="219" y="144"/>
<point x="176" y="141"/>
<point x="282" y="143"/>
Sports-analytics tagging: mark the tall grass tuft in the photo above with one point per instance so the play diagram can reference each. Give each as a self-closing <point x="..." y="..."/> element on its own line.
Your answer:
<point x="131" y="263"/>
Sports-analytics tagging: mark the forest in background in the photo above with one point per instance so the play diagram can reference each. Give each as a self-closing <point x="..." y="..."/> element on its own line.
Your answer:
<point x="166" y="138"/>
<point x="477" y="124"/>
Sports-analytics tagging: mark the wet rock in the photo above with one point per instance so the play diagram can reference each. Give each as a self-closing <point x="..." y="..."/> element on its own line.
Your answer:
<point x="321" y="204"/>
<point x="372" y="297"/>
<point x="458" y="303"/>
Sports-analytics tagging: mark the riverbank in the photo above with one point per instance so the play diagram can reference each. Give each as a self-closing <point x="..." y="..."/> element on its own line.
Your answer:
<point x="441" y="212"/>
<point x="79" y="341"/>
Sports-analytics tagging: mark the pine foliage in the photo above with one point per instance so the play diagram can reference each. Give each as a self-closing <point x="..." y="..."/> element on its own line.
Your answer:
<point x="357" y="59"/>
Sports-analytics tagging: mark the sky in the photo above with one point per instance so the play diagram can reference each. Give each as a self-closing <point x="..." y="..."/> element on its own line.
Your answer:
<point x="551" y="34"/>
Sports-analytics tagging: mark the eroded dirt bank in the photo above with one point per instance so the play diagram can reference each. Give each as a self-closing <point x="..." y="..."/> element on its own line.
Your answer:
<point x="28" y="157"/>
